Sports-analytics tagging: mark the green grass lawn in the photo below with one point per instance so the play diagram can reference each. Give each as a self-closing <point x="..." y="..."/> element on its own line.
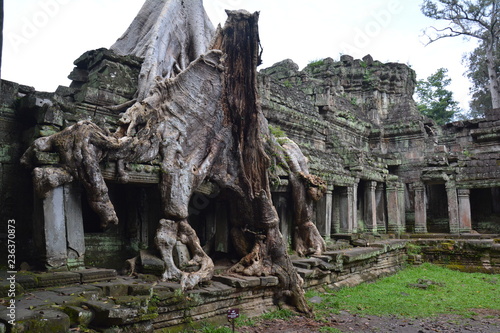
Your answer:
<point x="453" y="293"/>
<point x="448" y="292"/>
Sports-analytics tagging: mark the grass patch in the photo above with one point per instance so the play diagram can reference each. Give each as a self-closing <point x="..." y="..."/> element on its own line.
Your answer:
<point x="214" y="329"/>
<point x="278" y="314"/>
<point x="453" y="293"/>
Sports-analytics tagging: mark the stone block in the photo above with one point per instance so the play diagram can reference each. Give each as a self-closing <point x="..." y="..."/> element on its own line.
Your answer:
<point x="26" y="280"/>
<point x="135" y="302"/>
<point x="238" y="282"/>
<point x="110" y="314"/>
<point x="78" y="315"/>
<point x="218" y="289"/>
<point x="57" y="279"/>
<point x="31" y="321"/>
<point x="88" y="292"/>
<point x="97" y="274"/>
<point x="181" y="255"/>
<point x="269" y="281"/>
<point x="139" y="289"/>
<point x="357" y="254"/>
<point x="114" y="288"/>
<point x="5" y="288"/>
<point x="151" y="264"/>
<point x="306" y="273"/>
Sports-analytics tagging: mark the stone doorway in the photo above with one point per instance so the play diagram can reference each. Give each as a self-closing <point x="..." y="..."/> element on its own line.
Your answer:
<point x="485" y="209"/>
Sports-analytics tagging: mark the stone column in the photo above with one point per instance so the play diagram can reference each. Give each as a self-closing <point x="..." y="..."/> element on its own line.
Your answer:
<point x="345" y="211"/>
<point x="324" y="214"/>
<point x="451" y="193"/>
<point x="465" y="219"/>
<point x="336" y="212"/>
<point x="420" y="208"/>
<point x="380" y="199"/>
<point x="74" y="225"/>
<point x="393" y="213"/>
<point x="352" y="207"/>
<point x="50" y="229"/>
<point x="371" y="206"/>
<point x="402" y="207"/>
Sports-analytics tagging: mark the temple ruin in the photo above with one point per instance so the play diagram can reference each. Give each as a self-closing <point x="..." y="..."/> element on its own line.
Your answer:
<point x="378" y="168"/>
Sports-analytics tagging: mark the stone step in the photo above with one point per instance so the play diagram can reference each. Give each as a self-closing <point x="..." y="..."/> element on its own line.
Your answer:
<point x="238" y="282"/>
<point x="30" y="281"/>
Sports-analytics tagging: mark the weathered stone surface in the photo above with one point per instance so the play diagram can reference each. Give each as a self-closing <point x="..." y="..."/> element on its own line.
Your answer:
<point x="57" y="279"/>
<point x="97" y="274"/>
<point x="78" y="315"/>
<point x="238" y="282"/>
<point x="46" y="322"/>
<point x="114" y="289"/>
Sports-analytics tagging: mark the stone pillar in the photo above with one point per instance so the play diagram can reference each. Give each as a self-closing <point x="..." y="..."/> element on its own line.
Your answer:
<point x="50" y="229"/>
<point x="352" y="193"/>
<point x="465" y="219"/>
<point x="371" y="206"/>
<point x="345" y="211"/>
<point x="393" y="213"/>
<point x="451" y="193"/>
<point x="402" y="207"/>
<point x="324" y="214"/>
<point x="336" y="211"/>
<point x="74" y="225"/>
<point x="420" y="208"/>
<point x="380" y="200"/>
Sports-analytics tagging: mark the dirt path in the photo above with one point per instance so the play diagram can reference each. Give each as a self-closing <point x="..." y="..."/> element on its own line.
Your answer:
<point x="483" y="322"/>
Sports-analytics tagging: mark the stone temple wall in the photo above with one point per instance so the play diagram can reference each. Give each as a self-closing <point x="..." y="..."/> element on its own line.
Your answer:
<point x="388" y="168"/>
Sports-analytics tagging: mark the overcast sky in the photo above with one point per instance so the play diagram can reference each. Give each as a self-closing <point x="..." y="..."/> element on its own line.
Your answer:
<point x="42" y="38"/>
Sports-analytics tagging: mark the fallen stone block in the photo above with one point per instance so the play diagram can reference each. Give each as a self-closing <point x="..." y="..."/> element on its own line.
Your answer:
<point x="96" y="275"/>
<point x="57" y="279"/>
<point x="237" y="282"/>
<point x="107" y="314"/>
<point x="78" y="315"/>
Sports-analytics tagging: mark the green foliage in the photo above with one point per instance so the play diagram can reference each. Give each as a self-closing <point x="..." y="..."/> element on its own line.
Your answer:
<point x="276" y="131"/>
<point x="434" y="100"/>
<point x="412" y="249"/>
<point x="316" y="63"/>
<point x="477" y="19"/>
<point x="278" y="314"/>
<point x="208" y="328"/>
<point x="287" y="84"/>
<point x="477" y="72"/>
<point x="454" y="293"/>
<point x="330" y="330"/>
<point x="244" y="320"/>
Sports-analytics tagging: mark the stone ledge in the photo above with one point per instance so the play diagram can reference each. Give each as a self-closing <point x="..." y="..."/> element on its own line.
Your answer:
<point x="29" y="281"/>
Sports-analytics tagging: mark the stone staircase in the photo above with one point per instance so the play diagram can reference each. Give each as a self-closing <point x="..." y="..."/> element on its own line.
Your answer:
<point x="105" y="302"/>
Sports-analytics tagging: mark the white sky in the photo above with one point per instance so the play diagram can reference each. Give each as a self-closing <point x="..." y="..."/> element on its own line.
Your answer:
<point x="42" y="38"/>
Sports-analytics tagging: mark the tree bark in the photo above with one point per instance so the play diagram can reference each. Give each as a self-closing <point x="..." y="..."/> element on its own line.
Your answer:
<point x="169" y="35"/>
<point x="493" y="78"/>
<point x="204" y="124"/>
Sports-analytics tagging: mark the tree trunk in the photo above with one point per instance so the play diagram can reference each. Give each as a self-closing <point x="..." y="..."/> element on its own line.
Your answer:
<point x="492" y="77"/>
<point x="168" y="34"/>
<point x="204" y="124"/>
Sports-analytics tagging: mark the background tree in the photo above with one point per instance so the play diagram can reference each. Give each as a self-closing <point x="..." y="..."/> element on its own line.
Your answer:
<point x="470" y="18"/>
<point x="434" y="100"/>
<point x="477" y="73"/>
